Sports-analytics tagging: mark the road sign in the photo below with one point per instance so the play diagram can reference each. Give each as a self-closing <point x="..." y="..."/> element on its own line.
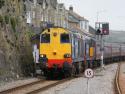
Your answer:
<point x="89" y="73"/>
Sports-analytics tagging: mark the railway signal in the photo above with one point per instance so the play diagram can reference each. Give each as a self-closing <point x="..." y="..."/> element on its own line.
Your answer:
<point x="98" y="31"/>
<point x="102" y="28"/>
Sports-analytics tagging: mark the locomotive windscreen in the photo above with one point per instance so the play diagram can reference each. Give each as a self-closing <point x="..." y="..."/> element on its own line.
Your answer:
<point x="45" y="38"/>
<point x="65" y="38"/>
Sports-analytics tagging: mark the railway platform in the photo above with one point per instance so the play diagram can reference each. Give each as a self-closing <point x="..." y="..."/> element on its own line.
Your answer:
<point x="122" y="78"/>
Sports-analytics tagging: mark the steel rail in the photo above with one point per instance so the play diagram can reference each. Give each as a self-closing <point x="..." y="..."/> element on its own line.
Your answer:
<point x="117" y="80"/>
<point x="20" y="87"/>
<point x="49" y="86"/>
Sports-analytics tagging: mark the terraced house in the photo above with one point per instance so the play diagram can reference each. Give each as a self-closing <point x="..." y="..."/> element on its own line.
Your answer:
<point x="39" y="12"/>
<point x="77" y="22"/>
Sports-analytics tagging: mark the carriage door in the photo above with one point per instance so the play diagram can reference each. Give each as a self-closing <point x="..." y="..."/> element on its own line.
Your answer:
<point x="73" y="47"/>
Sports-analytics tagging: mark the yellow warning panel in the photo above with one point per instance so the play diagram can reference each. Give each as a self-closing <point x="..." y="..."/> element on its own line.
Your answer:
<point x="91" y="51"/>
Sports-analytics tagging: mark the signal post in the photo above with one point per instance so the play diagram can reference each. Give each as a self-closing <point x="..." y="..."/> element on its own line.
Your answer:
<point x="102" y="28"/>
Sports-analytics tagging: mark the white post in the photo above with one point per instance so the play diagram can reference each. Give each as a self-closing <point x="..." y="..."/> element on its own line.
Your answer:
<point x="87" y="85"/>
<point x="89" y="73"/>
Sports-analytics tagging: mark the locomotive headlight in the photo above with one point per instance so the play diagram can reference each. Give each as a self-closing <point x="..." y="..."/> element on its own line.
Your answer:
<point x="67" y="55"/>
<point x="43" y="55"/>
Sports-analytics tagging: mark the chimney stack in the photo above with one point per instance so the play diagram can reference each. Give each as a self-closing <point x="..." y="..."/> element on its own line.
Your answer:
<point x="71" y="8"/>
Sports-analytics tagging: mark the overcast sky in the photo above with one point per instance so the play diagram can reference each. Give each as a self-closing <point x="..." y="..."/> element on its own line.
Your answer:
<point x="112" y="11"/>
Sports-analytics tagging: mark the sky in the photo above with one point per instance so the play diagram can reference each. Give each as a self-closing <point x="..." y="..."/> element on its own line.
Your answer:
<point x="112" y="11"/>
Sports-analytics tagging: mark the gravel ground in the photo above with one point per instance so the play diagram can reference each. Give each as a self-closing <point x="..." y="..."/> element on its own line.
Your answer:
<point x="102" y="83"/>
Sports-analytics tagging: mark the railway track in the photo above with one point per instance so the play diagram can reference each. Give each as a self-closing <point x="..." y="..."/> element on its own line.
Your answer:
<point x="20" y="87"/>
<point x="117" y="86"/>
<point x="35" y="87"/>
<point x="49" y="86"/>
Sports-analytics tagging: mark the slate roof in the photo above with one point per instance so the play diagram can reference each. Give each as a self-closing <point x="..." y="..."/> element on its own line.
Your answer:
<point x="92" y="30"/>
<point x="77" y="30"/>
<point x="78" y="17"/>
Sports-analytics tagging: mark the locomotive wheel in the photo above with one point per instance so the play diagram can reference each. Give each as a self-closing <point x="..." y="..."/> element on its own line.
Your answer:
<point x="67" y="72"/>
<point x="73" y="72"/>
<point x="77" y="68"/>
<point x="48" y="76"/>
<point x="82" y="67"/>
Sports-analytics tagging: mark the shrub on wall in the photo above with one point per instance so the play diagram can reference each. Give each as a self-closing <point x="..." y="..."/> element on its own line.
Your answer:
<point x="2" y="3"/>
<point x="1" y="19"/>
<point x="13" y="24"/>
<point x="6" y="19"/>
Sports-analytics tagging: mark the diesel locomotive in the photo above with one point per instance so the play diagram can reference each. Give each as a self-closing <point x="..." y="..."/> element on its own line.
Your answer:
<point x="61" y="51"/>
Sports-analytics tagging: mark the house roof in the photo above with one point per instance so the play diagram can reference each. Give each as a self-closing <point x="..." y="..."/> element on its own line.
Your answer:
<point x="77" y="30"/>
<point x="92" y="30"/>
<point x="71" y="19"/>
<point x="78" y="17"/>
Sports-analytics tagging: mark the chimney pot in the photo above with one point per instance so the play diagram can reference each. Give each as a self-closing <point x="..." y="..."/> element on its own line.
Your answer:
<point x="71" y="8"/>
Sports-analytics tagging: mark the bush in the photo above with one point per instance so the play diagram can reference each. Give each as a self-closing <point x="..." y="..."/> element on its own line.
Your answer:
<point x="13" y="24"/>
<point x="2" y="3"/>
<point x="30" y="34"/>
<point x="1" y="19"/>
<point x="7" y="19"/>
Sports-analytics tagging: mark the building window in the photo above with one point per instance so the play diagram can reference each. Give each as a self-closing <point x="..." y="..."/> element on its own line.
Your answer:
<point x="65" y="38"/>
<point x="45" y="38"/>
<point x="81" y="25"/>
<point x="33" y="14"/>
<point x="41" y="16"/>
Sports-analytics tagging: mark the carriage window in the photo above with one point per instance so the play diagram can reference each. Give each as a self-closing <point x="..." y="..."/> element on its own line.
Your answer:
<point x="64" y="38"/>
<point x="45" y="38"/>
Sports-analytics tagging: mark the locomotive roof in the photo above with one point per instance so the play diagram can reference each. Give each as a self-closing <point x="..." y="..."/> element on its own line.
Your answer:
<point x="77" y="31"/>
